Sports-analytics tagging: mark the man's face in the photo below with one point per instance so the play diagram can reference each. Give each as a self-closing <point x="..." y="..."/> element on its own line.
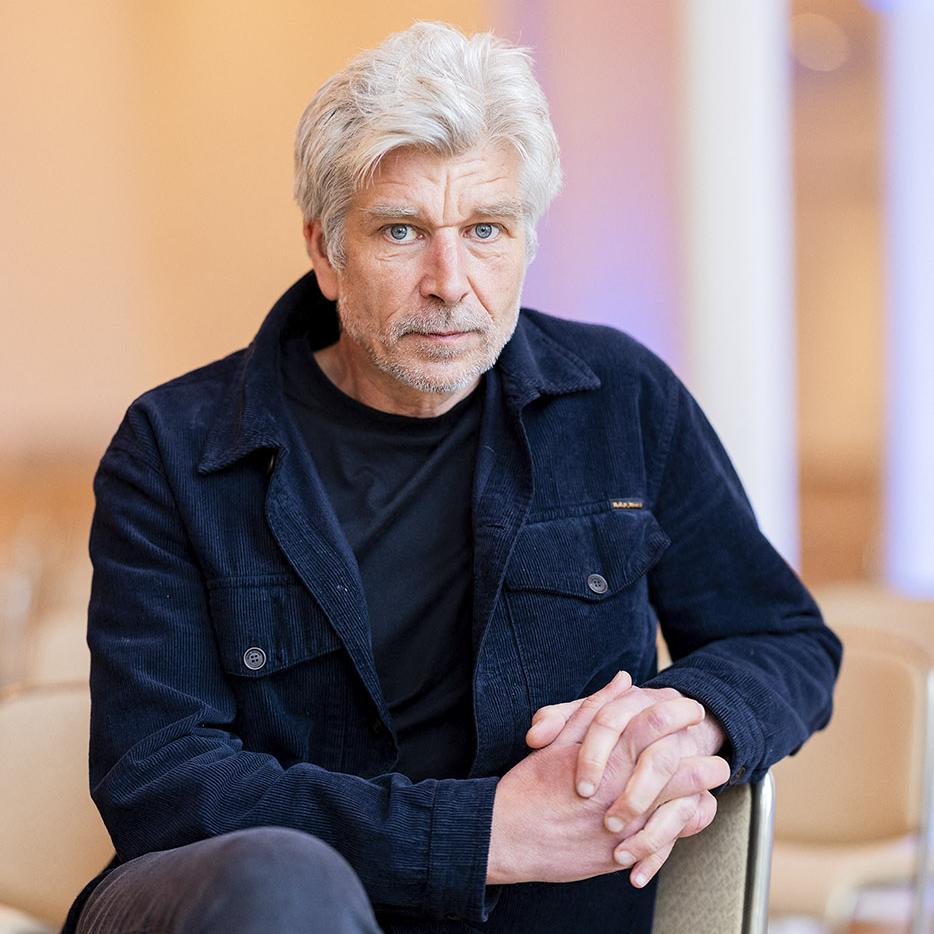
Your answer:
<point x="435" y="259"/>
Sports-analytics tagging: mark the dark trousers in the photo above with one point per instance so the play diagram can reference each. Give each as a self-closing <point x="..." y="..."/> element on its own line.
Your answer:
<point x="247" y="882"/>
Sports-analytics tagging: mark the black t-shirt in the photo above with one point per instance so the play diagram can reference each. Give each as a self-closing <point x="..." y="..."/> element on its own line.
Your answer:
<point x="401" y="489"/>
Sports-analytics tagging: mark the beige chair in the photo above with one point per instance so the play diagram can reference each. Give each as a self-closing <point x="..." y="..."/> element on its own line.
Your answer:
<point x="52" y="840"/>
<point x="717" y="882"/>
<point x="854" y="804"/>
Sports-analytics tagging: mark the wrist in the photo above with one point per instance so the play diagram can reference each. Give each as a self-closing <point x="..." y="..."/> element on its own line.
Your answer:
<point x="497" y="865"/>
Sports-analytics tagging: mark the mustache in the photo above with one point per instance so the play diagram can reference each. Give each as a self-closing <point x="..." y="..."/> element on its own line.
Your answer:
<point x="440" y="320"/>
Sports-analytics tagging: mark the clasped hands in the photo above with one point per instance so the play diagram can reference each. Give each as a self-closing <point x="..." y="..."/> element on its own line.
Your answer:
<point x="643" y="761"/>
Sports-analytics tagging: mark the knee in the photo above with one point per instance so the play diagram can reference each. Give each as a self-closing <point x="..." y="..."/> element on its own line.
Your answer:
<point x="281" y="858"/>
<point x="275" y="878"/>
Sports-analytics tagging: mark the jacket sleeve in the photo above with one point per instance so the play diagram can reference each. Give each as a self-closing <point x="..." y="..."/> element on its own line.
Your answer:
<point x="166" y="767"/>
<point x="746" y="638"/>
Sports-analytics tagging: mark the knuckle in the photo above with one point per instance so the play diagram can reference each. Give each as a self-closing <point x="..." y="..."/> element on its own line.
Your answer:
<point x="591" y="703"/>
<point x="696" y="777"/>
<point x="651" y="842"/>
<point x="589" y="761"/>
<point x="688" y="809"/>
<point x="655" y="719"/>
<point x="608" y="716"/>
<point x="626" y="806"/>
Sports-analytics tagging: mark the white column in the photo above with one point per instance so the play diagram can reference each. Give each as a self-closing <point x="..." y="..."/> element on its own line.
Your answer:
<point x="738" y="260"/>
<point x="909" y="78"/>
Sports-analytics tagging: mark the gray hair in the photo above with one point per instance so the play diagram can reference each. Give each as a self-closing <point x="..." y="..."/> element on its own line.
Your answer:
<point x="429" y="87"/>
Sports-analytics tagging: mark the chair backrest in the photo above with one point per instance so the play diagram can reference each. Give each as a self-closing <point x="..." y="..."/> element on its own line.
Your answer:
<point x="52" y="840"/>
<point x="868" y="761"/>
<point x="717" y="882"/>
<point x="872" y="769"/>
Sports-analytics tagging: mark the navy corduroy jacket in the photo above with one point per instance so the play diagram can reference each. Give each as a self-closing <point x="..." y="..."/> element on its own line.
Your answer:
<point x="233" y="682"/>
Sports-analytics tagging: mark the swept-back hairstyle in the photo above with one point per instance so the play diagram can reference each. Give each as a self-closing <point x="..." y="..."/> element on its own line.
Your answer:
<point x="430" y="87"/>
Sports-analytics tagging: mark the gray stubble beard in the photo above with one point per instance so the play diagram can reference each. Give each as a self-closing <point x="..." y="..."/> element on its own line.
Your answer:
<point x="437" y="319"/>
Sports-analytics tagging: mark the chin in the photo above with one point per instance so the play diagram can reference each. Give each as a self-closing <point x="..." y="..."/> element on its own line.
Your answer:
<point x="438" y="378"/>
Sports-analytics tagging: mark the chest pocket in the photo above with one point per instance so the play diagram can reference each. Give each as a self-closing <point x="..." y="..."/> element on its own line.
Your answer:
<point x="281" y="657"/>
<point x="577" y="597"/>
<point x="265" y="627"/>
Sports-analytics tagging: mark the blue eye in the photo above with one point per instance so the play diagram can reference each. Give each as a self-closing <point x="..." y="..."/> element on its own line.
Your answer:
<point x="485" y="231"/>
<point x="399" y="231"/>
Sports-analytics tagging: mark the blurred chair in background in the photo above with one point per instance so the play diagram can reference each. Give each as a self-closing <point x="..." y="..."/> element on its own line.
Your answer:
<point x="52" y="839"/>
<point x="853" y="807"/>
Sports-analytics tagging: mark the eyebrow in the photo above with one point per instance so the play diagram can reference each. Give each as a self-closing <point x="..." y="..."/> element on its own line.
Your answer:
<point x="508" y="207"/>
<point x="391" y="210"/>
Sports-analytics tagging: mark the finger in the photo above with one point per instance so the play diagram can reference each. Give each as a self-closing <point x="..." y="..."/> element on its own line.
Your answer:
<point x="548" y="722"/>
<point x="659" y="720"/>
<point x="695" y="774"/>
<point x="643" y="871"/>
<point x="577" y="724"/>
<point x="646" y="726"/>
<point x="663" y="827"/>
<point x="603" y="734"/>
<point x="706" y="812"/>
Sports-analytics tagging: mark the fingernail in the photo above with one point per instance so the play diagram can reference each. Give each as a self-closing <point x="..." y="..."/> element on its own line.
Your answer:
<point x="585" y="789"/>
<point x="624" y="858"/>
<point x="614" y="824"/>
<point x="638" y="880"/>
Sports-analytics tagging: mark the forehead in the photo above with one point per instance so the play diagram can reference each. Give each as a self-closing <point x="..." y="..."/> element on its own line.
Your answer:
<point x="432" y="182"/>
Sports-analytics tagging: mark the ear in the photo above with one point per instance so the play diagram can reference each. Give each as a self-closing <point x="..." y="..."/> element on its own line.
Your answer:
<point x="326" y="274"/>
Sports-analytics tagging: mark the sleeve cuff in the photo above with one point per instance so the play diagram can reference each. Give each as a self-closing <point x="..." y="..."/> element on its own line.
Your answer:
<point x="461" y="821"/>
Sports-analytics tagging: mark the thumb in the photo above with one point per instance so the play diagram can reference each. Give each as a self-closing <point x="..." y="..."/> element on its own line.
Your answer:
<point x="548" y="722"/>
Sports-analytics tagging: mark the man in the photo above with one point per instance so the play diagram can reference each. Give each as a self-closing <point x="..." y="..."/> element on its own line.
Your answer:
<point x="339" y="574"/>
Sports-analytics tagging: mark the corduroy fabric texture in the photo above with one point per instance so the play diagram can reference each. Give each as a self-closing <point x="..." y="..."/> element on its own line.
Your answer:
<point x="212" y="539"/>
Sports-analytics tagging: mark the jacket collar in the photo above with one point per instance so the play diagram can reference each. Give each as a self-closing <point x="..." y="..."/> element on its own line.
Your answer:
<point x="532" y="364"/>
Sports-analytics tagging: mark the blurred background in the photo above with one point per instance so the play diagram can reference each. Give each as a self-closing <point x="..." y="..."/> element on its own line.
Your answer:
<point x="748" y="191"/>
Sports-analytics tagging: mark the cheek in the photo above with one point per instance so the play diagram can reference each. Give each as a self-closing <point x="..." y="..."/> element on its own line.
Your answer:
<point x="498" y="284"/>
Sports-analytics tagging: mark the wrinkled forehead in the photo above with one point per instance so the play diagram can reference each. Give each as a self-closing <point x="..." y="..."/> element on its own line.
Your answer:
<point x="413" y="181"/>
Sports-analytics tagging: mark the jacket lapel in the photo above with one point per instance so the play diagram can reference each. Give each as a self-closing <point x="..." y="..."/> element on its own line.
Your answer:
<point x="255" y="416"/>
<point x="531" y="365"/>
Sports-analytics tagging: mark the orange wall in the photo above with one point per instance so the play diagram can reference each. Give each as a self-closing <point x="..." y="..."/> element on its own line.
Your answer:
<point x="145" y="179"/>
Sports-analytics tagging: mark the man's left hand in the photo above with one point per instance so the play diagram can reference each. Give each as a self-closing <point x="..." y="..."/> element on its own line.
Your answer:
<point x="666" y="758"/>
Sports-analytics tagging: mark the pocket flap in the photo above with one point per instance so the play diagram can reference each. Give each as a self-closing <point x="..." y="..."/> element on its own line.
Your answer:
<point x="263" y="627"/>
<point x="589" y="556"/>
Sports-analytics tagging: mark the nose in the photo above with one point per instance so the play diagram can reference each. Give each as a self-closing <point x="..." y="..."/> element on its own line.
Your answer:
<point x="444" y="276"/>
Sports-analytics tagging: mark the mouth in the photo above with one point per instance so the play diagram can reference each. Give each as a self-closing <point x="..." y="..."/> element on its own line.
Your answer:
<point x="444" y="336"/>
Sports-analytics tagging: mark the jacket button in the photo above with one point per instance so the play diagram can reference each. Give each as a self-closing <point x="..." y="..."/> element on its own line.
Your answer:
<point x="376" y="726"/>
<point x="254" y="658"/>
<point x="597" y="583"/>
